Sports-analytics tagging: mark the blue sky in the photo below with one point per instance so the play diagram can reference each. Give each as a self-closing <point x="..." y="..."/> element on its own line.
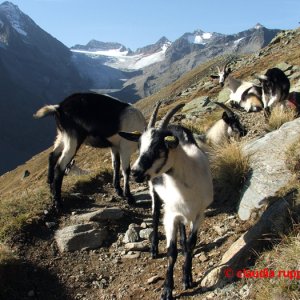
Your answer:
<point x="137" y="23"/>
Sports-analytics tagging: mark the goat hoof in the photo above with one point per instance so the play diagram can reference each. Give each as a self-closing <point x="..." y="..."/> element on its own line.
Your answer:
<point x="188" y="283"/>
<point x="57" y="207"/>
<point x="119" y="192"/>
<point x="154" y="252"/>
<point x="130" y="200"/>
<point x="167" y="295"/>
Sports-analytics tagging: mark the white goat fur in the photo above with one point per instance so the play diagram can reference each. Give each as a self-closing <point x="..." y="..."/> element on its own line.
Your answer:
<point x="187" y="191"/>
<point x="218" y="133"/>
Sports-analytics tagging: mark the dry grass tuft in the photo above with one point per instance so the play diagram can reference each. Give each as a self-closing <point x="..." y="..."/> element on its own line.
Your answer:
<point x="280" y="116"/>
<point x="293" y="158"/>
<point x="283" y="259"/>
<point x="230" y="168"/>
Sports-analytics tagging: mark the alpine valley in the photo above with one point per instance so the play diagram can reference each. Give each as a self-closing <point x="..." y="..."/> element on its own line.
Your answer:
<point x="38" y="69"/>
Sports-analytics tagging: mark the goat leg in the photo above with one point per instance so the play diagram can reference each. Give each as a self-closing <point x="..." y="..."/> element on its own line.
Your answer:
<point x="267" y="113"/>
<point x="183" y="239"/>
<point x="169" y="282"/>
<point x="127" y="194"/>
<point x="155" y="216"/>
<point x="56" y="188"/>
<point x="187" y="267"/>
<point x="116" y="174"/>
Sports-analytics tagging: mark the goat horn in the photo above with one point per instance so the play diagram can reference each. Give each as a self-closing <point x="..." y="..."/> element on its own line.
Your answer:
<point x="225" y="107"/>
<point x="165" y="121"/>
<point x="219" y="71"/>
<point x="154" y="115"/>
<point x="228" y="62"/>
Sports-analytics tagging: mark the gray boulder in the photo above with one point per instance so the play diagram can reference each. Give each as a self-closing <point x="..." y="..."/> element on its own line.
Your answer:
<point x="269" y="171"/>
<point x="79" y="237"/>
<point x="103" y="214"/>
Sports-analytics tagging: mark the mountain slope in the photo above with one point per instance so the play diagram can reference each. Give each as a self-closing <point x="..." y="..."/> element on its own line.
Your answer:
<point x="191" y="50"/>
<point x="35" y="69"/>
<point x="107" y="272"/>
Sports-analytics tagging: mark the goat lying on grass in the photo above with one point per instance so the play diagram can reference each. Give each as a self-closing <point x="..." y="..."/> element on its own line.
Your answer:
<point x="179" y="175"/>
<point x="93" y="119"/>
<point x="227" y="127"/>
<point x="245" y="94"/>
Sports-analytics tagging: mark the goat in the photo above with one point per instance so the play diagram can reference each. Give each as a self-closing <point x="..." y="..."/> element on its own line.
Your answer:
<point x="93" y="119"/>
<point x="228" y="126"/>
<point x="179" y="175"/>
<point x="275" y="88"/>
<point x="246" y="94"/>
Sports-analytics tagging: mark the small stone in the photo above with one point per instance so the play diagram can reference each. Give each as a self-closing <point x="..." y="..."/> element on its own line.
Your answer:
<point x="154" y="279"/>
<point x="26" y="174"/>
<point x="131" y="236"/>
<point x="146" y="234"/>
<point x="132" y="254"/>
<point x="137" y="246"/>
<point x="202" y="257"/>
<point x="144" y="225"/>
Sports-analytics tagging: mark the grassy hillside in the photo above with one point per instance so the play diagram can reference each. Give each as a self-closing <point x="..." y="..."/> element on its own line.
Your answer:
<point x="24" y="199"/>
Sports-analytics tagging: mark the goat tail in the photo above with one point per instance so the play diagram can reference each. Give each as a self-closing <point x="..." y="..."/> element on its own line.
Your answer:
<point x="45" y="111"/>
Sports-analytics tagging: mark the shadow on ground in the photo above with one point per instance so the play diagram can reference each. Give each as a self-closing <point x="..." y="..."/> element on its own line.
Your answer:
<point x="21" y="280"/>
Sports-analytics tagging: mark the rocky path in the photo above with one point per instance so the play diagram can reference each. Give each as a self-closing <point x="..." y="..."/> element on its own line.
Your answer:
<point x="119" y="269"/>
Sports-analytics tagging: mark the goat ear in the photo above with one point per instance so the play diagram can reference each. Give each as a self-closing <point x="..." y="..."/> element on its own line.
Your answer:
<point x="229" y="70"/>
<point x="214" y="76"/>
<point x="261" y="77"/>
<point x="171" y="141"/>
<point x="130" y="136"/>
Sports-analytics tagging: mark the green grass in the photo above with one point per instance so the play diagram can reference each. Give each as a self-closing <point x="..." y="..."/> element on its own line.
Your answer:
<point x="21" y="209"/>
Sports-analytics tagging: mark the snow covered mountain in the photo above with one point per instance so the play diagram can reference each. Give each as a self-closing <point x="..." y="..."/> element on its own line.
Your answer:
<point x="163" y="62"/>
<point x="118" y="56"/>
<point x="35" y="69"/>
<point x="190" y="50"/>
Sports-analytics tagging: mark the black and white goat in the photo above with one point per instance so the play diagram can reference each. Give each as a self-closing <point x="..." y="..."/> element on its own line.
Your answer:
<point x="179" y="175"/>
<point x="229" y="126"/>
<point x="243" y="93"/>
<point x="93" y="119"/>
<point x="275" y="88"/>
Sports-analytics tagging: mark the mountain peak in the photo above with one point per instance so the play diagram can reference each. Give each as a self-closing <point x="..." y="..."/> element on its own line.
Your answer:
<point x="10" y="7"/>
<point x="162" y="40"/>
<point x="258" y="26"/>
<point x="14" y="16"/>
